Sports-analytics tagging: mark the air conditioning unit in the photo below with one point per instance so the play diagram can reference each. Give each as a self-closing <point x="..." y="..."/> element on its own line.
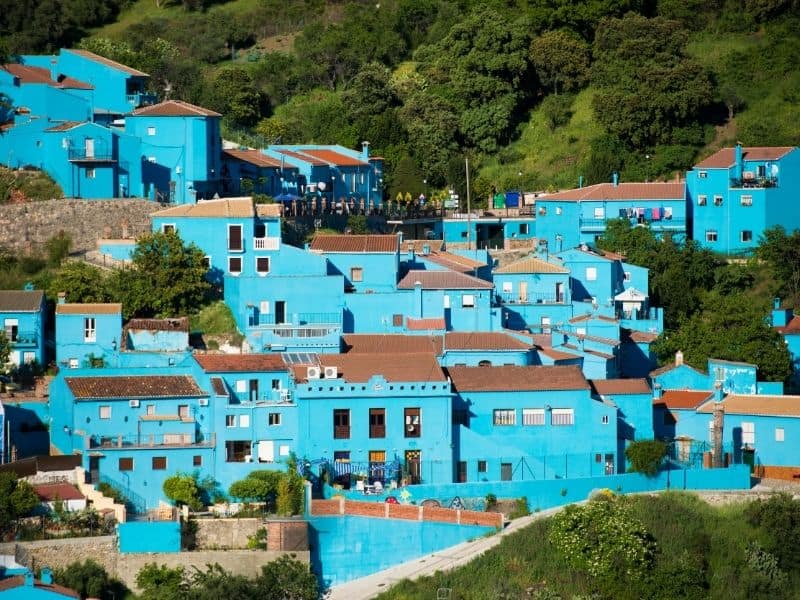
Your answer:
<point x="133" y="403"/>
<point x="748" y="175"/>
<point x="331" y="372"/>
<point x="313" y="373"/>
<point x="203" y="401"/>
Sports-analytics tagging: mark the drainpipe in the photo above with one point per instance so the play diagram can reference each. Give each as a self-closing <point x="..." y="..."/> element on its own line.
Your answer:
<point x="418" y="299"/>
<point x="719" y="418"/>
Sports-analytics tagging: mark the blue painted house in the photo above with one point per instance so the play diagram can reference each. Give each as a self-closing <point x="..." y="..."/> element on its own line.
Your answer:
<point x="579" y="216"/>
<point x="87" y="334"/>
<point x="368" y="263"/>
<point x="489" y="231"/>
<point x="518" y="423"/>
<point x="23" y="317"/>
<point x="788" y="325"/>
<point x="634" y="401"/>
<point x="26" y="586"/>
<point x="249" y="171"/>
<point x="735" y="194"/>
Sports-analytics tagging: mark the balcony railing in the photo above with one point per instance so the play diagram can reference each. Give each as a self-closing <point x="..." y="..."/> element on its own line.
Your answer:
<point x="25" y="339"/>
<point x="266" y="243"/>
<point x="754" y="182"/>
<point x="296" y="320"/>
<point x="98" y="155"/>
<point x="530" y="298"/>
<point x="645" y="314"/>
<point x="172" y="440"/>
<point x="141" y="99"/>
<point x="599" y="225"/>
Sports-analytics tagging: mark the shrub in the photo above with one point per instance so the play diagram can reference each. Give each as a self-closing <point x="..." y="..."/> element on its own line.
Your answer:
<point x="645" y="456"/>
<point x="183" y="489"/>
<point x="521" y="509"/>
<point x="491" y="501"/>
<point x="258" y="541"/>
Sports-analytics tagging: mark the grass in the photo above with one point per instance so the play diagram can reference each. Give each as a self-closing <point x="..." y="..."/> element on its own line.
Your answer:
<point x="214" y="319"/>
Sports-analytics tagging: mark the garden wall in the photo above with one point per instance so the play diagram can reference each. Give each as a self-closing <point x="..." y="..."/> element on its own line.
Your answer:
<point x="220" y="534"/>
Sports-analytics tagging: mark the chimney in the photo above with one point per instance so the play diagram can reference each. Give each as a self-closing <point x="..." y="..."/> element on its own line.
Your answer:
<point x="718" y="393"/>
<point x="678" y="358"/>
<point x="62" y="297"/>
<point x="716" y="433"/>
<point x="580" y="182"/>
<point x="739" y="166"/>
<point x="615" y="178"/>
<point x="365" y="150"/>
<point x="657" y="391"/>
<point x="411" y="254"/>
<point x="418" y="299"/>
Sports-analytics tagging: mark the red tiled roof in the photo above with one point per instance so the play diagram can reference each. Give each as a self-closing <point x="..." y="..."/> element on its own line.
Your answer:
<point x="334" y="158"/>
<point x="682" y="399"/>
<point x="301" y="156"/>
<point x="606" y="387"/>
<point x="768" y="406"/>
<point x="793" y="326"/>
<point x="725" y="158"/>
<point x="638" y="337"/>
<point x="175" y="324"/>
<point x="454" y="262"/>
<point x="30" y="74"/>
<point x="49" y="492"/>
<point x="221" y="207"/>
<point x="532" y="264"/>
<point x="355" y="243"/>
<point x="669" y="367"/>
<point x="218" y="386"/>
<point x="555" y="354"/>
<point x="458" y="340"/>
<point x="256" y="157"/>
<point x="359" y="368"/>
<point x="65" y="126"/>
<point x="108" y="62"/>
<point x="140" y="386"/>
<point x="419" y="245"/>
<point x="425" y="324"/>
<point x="391" y="343"/>
<point x="21" y="300"/>
<point x="442" y="280"/>
<point x="513" y="379"/>
<point x="174" y="108"/>
<point x="17" y="581"/>
<point x="590" y="317"/>
<point x="76" y="308"/>
<point x="622" y="191"/>
<point x="240" y="363"/>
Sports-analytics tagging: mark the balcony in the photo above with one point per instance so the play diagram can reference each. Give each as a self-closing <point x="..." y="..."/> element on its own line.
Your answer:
<point x="141" y="99"/>
<point x="530" y="298"/>
<point x="25" y="339"/>
<point x="296" y="320"/>
<point x="97" y="155"/>
<point x="754" y="182"/>
<point x="666" y="224"/>
<point x="266" y="243"/>
<point x="161" y="440"/>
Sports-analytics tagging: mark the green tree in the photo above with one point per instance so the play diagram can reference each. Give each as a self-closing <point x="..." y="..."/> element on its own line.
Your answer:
<point x="432" y="125"/>
<point x="646" y="456"/>
<point x="5" y="350"/>
<point x="167" y="278"/>
<point x="286" y="579"/>
<point x="80" y="281"/>
<point x="183" y="489"/>
<point x="234" y="95"/>
<point x="58" y="248"/>
<point x="17" y="499"/>
<point x="89" y="579"/>
<point x="781" y="252"/>
<point x="160" y="582"/>
<point x="779" y="518"/>
<point x="561" y="59"/>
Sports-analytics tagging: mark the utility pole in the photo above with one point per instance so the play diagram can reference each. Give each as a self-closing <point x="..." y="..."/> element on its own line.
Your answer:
<point x="469" y="208"/>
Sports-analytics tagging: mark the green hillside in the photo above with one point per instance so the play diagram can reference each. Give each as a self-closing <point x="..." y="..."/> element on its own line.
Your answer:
<point x="535" y="92"/>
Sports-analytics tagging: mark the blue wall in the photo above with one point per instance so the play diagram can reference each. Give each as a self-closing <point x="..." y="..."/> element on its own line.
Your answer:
<point x="149" y="536"/>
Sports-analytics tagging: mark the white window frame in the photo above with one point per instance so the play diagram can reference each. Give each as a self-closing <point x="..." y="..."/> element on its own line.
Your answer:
<point x="627" y="276"/>
<point x="718" y="200"/>
<point x="545" y="323"/>
<point x="446" y="301"/>
<point x="356" y="274"/>
<point x="504" y="417"/>
<point x="711" y="235"/>
<point x="604" y="420"/>
<point x="91" y="173"/>
<point x="780" y="434"/>
<point x="559" y="210"/>
<point x="468" y="301"/>
<point x="150" y="410"/>
<point x="274" y="419"/>
<point x="73" y="363"/>
<point x="244" y="420"/>
<point x="170" y="226"/>
<point x="151" y="130"/>
<point x="702" y="174"/>
<point x="748" y="433"/>
<point x="532" y="416"/>
<point x="241" y="386"/>
<point x="104" y="411"/>
<point x="591" y="273"/>
<point x="702" y="199"/>
<point x="746" y="200"/>
<point x="89" y="329"/>
<point x="255" y="264"/>
<point x="508" y="287"/>
<point x="562" y="417"/>
<point x="230" y="420"/>
<point x="232" y="272"/>
<point x="599" y="212"/>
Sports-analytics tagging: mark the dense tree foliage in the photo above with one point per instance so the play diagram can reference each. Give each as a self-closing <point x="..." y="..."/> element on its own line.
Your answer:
<point x="183" y="489"/>
<point x="89" y="579"/>
<point x="17" y="499"/>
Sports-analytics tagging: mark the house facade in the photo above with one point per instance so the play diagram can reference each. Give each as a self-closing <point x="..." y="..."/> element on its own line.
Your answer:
<point x="23" y="316"/>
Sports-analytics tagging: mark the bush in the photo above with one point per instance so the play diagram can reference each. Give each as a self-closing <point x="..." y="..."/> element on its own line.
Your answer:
<point x="557" y="110"/>
<point x="258" y="541"/>
<point x="183" y="489"/>
<point x="646" y="456"/>
<point x="521" y="509"/>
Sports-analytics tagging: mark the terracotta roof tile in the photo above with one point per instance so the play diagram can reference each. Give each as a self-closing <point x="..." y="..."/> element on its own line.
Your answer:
<point x="108" y="62"/>
<point x="454" y="262"/>
<point x="726" y="157"/>
<point x="682" y="399"/>
<point x="20" y="300"/>
<point x="670" y="367"/>
<point x="225" y="207"/>
<point x="391" y="343"/>
<point x="65" y="126"/>
<point x="140" y="386"/>
<point x="240" y="363"/>
<point x="458" y="340"/>
<point x="49" y="492"/>
<point x="355" y="243"/>
<point x="532" y="264"/>
<point x="638" y="337"/>
<point x="443" y="280"/>
<point x="419" y="245"/>
<point x="792" y="327"/>
<point x="607" y="387"/>
<point x="621" y="192"/>
<point x="513" y="379"/>
<point x="359" y="368"/>
<point x="591" y="317"/>
<point x="40" y="75"/>
<point x="334" y="158"/>
<point x="176" y="324"/>
<point x="255" y="157"/>
<point x="413" y="324"/>
<point x="11" y="583"/>
<point x="174" y="108"/>
<point x="555" y="355"/>
<point x="300" y="156"/>
<point x="77" y="308"/>
<point x="218" y="386"/>
<point x="768" y="406"/>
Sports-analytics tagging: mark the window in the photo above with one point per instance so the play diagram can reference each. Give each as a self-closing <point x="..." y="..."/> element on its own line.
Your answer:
<point x="717" y="200"/>
<point x="207" y="262"/>
<point x="73" y="363"/>
<point x="168" y="228"/>
<point x="711" y="431"/>
<point x="341" y="424"/>
<point x="237" y="451"/>
<point x="533" y="416"/>
<point x="197" y="460"/>
<point x="11" y="327"/>
<point x="562" y="416"/>
<point x="262" y="265"/>
<point x="746" y="200"/>
<point x="481" y="466"/>
<point x="599" y="213"/>
<point x="151" y="159"/>
<point x="545" y="323"/>
<point x="627" y="276"/>
<point x="604" y="420"/>
<point x="90" y="173"/>
<point x="702" y="174"/>
<point x="159" y="463"/>
<point x="283" y="450"/>
<point x="748" y="434"/>
<point x="746" y="235"/>
<point x="505" y="416"/>
<point x="244" y="420"/>
<point x="377" y="422"/>
<point x="151" y="131"/>
<point x="446" y="301"/>
<point x="397" y="320"/>
<point x="508" y="287"/>
<point x="468" y="301"/>
<point x="559" y="210"/>
<point x="230" y="420"/>
<point x="542" y="211"/>
<point x="150" y="409"/>
<point x="241" y="386"/>
<point x="711" y="235"/>
<point x="591" y="274"/>
<point x="183" y="411"/>
<point x="89" y="330"/>
<point x="779" y="434"/>
<point x="235" y="265"/>
<point x="235" y="238"/>
<point x="702" y="200"/>
<point x="413" y="422"/>
<point x="105" y="411"/>
<point x="356" y="274"/>
<point x="274" y="419"/>
<point x="523" y="229"/>
<point x="125" y="464"/>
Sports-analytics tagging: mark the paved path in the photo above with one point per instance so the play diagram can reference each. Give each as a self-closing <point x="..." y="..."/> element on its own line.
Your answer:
<point x="444" y="560"/>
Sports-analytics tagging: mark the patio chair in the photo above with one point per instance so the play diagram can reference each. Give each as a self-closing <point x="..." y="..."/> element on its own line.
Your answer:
<point x="378" y="486"/>
<point x="360" y="486"/>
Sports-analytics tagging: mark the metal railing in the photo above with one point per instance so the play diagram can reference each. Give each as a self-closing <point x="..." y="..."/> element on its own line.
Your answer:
<point x="25" y="338"/>
<point x="297" y="319"/>
<point x="529" y="298"/>
<point x="98" y="154"/>
<point x="151" y="440"/>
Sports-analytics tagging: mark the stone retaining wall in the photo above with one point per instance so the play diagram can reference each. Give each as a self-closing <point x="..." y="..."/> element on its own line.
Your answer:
<point x="221" y="534"/>
<point x="26" y="227"/>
